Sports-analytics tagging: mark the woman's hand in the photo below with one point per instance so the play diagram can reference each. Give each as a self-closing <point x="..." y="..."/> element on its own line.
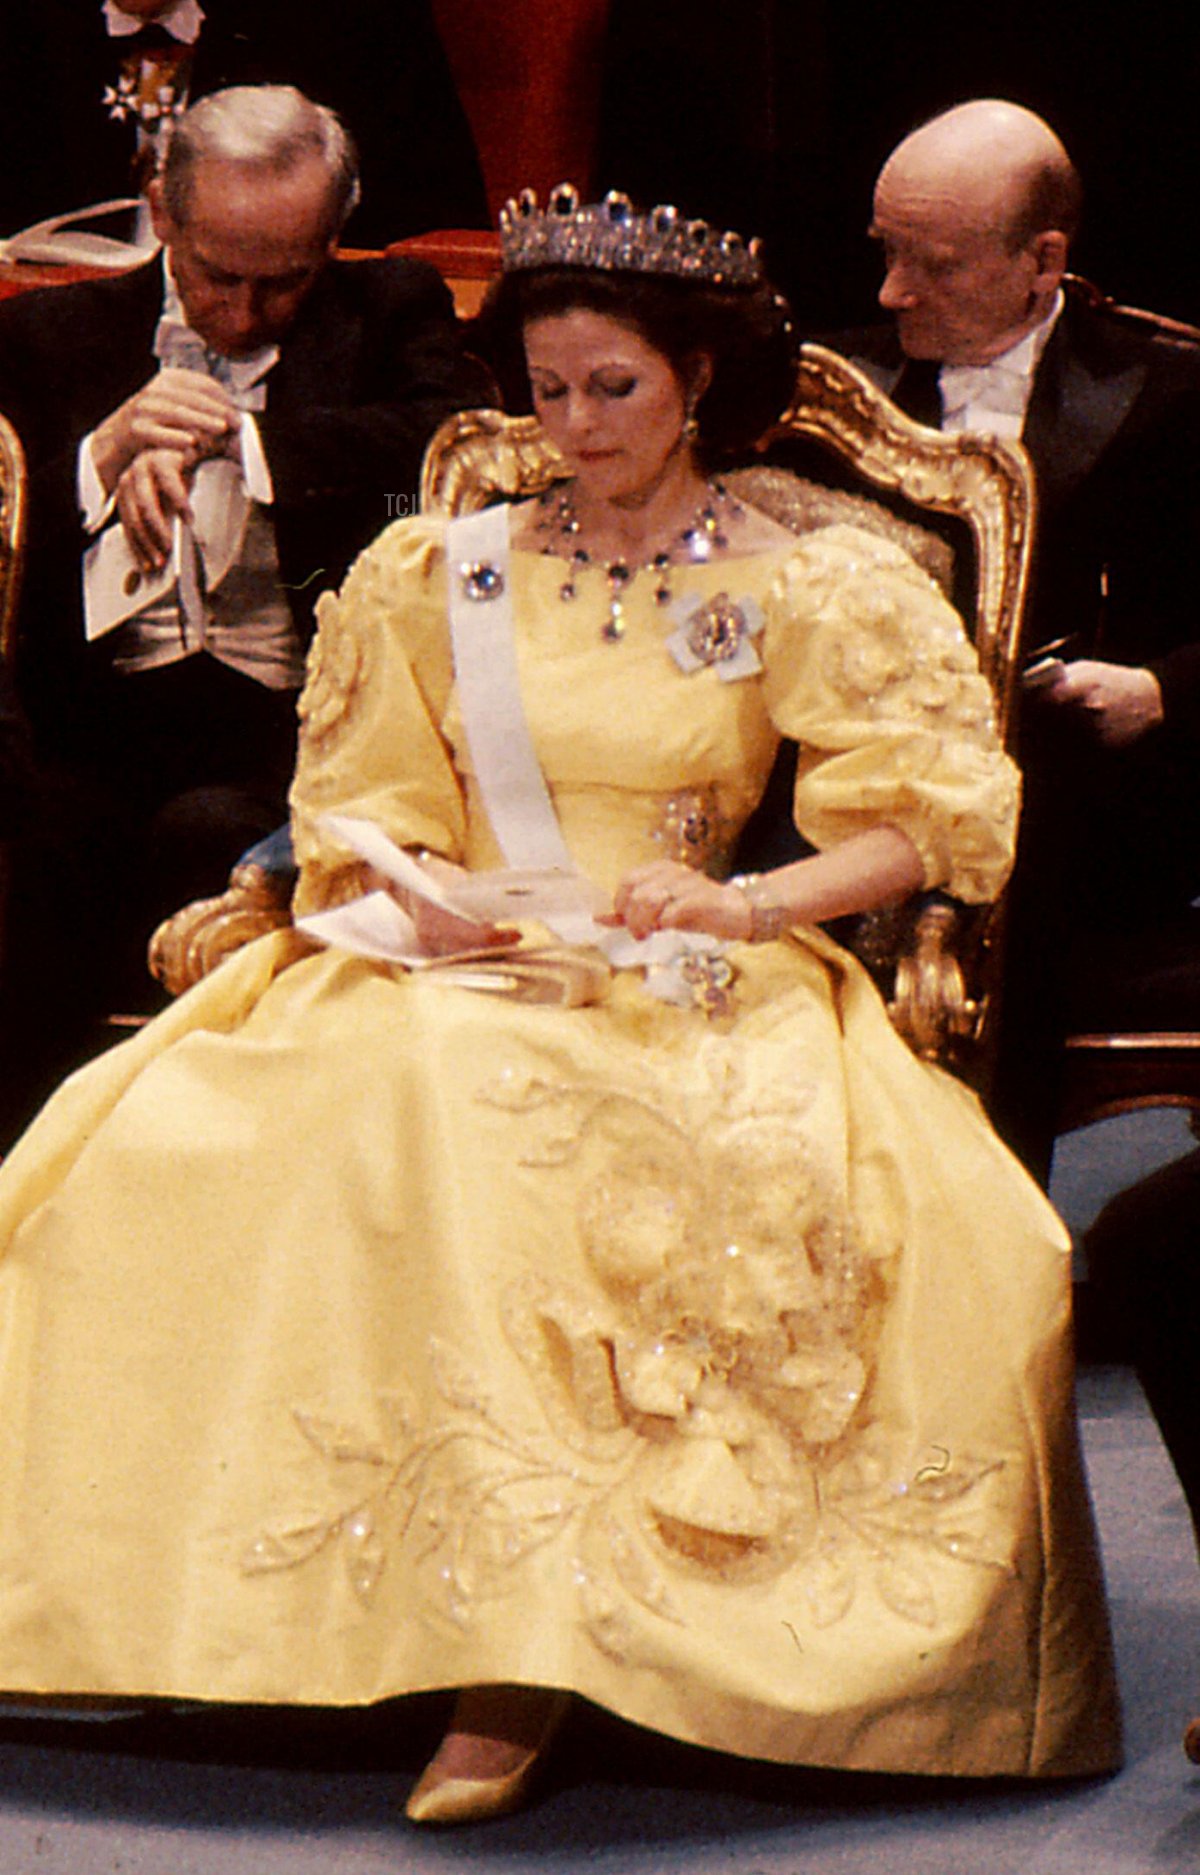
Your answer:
<point x="874" y="868"/>
<point x="442" y="933"/>
<point x="666" y="896"/>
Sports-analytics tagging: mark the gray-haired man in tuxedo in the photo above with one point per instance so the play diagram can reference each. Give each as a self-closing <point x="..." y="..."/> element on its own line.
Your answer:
<point x="211" y="438"/>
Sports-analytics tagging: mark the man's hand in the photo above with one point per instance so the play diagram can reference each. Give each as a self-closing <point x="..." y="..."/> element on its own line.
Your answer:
<point x="1122" y="701"/>
<point x="150" y="493"/>
<point x="183" y="411"/>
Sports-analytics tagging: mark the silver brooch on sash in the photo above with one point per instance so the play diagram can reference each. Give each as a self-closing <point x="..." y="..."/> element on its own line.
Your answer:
<point x="480" y="580"/>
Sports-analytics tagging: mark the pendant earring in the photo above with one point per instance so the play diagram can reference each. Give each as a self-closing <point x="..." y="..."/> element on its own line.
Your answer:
<point x="691" y="425"/>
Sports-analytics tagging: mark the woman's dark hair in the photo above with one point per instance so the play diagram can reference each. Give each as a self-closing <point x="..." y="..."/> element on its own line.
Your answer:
<point x="746" y="332"/>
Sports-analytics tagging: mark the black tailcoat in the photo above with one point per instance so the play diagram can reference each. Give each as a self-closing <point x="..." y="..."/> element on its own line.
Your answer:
<point x="155" y="782"/>
<point x="370" y="367"/>
<point x="1109" y="859"/>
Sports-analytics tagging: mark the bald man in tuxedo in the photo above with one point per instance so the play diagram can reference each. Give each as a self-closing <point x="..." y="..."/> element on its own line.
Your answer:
<point x="974" y="214"/>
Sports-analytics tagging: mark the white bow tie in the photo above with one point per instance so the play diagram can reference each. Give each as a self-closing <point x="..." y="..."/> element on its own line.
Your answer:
<point x="183" y="21"/>
<point x="996" y="388"/>
<point x="177" y="347"/>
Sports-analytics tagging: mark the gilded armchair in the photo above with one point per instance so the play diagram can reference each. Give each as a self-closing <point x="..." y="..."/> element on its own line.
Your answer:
<point x="12" y="533"/>
<point x="12" y="537"/>
<point x="938" y="962"/>
<point x="482" y="456"/>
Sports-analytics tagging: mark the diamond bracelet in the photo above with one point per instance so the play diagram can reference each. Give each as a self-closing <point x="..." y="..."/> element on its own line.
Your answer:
<point x="767" y="921"/>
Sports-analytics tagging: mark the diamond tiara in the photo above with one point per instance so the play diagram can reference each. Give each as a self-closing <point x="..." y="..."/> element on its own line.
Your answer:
<point x="612" y="236"/>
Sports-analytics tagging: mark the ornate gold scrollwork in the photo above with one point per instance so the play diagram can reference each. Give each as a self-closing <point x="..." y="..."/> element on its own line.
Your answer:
<point x="191" y="942"/>
<point x="930" y="1006"/>
<point x="477" y="457"/>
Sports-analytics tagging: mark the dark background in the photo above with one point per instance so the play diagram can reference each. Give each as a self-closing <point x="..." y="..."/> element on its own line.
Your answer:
<point x="774" y="116"/>
<point x="771" y="116"/>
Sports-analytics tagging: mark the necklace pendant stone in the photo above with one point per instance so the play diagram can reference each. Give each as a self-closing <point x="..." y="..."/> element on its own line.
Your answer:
<point x="613" y="629"/>
<point x="698" y="541"/>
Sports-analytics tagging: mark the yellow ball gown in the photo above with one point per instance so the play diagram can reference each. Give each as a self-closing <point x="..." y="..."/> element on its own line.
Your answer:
<point x="363" y="1334"/>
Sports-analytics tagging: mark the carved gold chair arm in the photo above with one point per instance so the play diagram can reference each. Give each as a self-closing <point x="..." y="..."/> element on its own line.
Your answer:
<point x="930" y="1006"/>
<point x="193" y="941"/>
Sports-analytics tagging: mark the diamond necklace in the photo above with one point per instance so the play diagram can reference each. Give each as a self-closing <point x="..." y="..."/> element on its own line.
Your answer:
<point x="703" y="535"/>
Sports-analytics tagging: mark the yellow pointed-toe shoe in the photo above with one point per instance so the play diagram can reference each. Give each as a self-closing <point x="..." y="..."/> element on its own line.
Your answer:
<point x="442" y="1796"/>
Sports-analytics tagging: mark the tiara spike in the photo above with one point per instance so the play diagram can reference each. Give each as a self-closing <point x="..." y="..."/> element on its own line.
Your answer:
<point x="612" y="236"/>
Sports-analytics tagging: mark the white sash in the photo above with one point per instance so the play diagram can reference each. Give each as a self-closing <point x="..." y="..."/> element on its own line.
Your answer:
<point x="510" y="778"/>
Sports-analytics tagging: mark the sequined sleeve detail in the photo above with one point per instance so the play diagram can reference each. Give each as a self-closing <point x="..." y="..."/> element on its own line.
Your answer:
<point x="371" y="743"/>
<point x="872" y="672"/>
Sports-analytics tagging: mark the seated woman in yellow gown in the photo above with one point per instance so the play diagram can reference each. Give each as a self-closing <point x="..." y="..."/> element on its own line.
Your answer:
<point x="694" y="1349"/>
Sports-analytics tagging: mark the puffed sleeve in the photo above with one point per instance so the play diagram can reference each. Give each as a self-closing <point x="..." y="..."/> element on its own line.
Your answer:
<point x="870" y="670"/>
<point x="371" y="742"/>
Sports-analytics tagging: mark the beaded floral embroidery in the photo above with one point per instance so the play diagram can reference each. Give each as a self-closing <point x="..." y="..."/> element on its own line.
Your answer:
<point x="700" y="1408"/>
<point x="693" y="828"/>
<point x="338" y="667"/>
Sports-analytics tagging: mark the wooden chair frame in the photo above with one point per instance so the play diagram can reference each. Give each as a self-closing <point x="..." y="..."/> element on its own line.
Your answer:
<point x="12" y="534"/>
<point x="481" y="456"/>
<point x="12" y="546"/>
<point x="946" y="993"/>
<point x="1104" y="1075"/>
<point x="984" y="482"/>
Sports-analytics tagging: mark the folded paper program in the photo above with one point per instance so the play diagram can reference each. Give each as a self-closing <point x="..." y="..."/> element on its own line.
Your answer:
<point x="376" y="926"/>
<point x="567" y="902"/>
<point x="116" y="588"/>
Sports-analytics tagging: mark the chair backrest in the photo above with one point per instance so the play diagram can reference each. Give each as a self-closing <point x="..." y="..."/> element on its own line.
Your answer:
<point x="983" y="482"/>
<point x="477" y="457"/>
<point x="940" y="965"/>
<point x="1137" y="316"/>
<point x="481" y="456"/>
<point x="12" y="540"/>
<point x="12" y="534"/>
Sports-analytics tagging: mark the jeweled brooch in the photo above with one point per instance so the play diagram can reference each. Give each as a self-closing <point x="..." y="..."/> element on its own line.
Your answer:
<point x="717" y="633"/>
<point x="480" y="580"/>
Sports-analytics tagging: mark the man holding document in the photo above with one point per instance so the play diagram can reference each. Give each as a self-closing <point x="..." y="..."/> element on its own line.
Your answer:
<point x="211" y="439"/>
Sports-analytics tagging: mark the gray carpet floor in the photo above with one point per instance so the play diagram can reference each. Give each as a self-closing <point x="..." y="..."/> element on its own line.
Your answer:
<point x="236" y="1793"/>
